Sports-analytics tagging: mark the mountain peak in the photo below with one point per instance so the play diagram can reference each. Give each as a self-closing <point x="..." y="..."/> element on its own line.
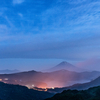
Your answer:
<point x="63" y="63"/>
<point x="65" y="66"/>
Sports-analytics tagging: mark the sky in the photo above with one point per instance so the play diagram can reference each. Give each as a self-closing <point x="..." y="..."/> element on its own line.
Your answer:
<point x="37" y="34"/>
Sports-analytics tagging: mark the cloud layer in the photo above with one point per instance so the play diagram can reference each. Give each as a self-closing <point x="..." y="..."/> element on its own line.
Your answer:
<point x="50" y="29"/>
<point x="17" y="1"/>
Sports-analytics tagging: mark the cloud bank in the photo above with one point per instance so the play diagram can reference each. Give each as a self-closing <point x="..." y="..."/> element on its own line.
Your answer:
<point x="50" y="29"/>
<point x="17" y="1"/>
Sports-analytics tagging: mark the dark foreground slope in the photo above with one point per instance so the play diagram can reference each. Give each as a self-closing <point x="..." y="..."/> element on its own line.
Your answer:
<point x="90" y="94"/>
<point x="17" y="92"/>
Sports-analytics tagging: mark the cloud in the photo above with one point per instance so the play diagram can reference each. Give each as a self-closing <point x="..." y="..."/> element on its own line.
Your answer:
<point x="60" y="31"/>
<point x="3" y="27"/>
<point x="70" y="18"/>
<point x="90" y="64"/>
<point x="9" y="22"/>
<point x="76" y="1"/>
<point x="2" y="10"/>
<point x="4" y="30"/>
<point x="20" y="14"/>
<point x="17" y="1"/>
<point x="40" y="46"/>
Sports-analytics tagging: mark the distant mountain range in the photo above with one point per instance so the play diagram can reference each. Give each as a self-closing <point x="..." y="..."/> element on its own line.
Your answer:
<point x="7" y="71"/>
<point x="59" y="78"/>
<point x="84" y="86"/>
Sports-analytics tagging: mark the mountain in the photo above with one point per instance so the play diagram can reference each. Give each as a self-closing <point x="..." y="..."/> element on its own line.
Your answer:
<point x="95" y="82"/>
<point x="84" y="86"/>
<point x="28" y="78"/>
<point x="67" y="66"/>
<point x="64" y="65"/>
<point x="90" y="94"/>
<point x="7" y="71"/>
<point x="61" y="78"/>
<point x="17" y="92"/>
<point x="66" y="78"/>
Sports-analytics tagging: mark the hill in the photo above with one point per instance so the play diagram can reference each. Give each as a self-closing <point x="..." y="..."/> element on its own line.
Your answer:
<point x="17" y="92"/>
<point x="90" y="94"/>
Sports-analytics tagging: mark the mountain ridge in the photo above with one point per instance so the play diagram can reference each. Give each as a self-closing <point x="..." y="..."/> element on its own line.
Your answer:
<point x="78" y="86"/>
<point x="7" y="71"/>
<point x="60" y="78"/>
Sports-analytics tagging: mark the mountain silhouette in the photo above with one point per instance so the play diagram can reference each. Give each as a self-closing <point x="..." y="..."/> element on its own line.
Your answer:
<point x="17" y="92"/>
<point x="67" y="66"/>
<point x="89" y="94"/>
<point x="7" y="71"/>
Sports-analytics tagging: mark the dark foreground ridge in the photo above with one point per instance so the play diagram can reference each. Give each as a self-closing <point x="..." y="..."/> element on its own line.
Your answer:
<point x="90" y="94"/>
<point x="17" y="92"/>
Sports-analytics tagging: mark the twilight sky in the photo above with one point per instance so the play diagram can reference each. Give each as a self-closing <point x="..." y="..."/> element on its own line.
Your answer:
<point x="35" y="34"/>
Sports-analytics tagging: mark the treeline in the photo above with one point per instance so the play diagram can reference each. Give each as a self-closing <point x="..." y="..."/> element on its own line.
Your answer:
<point x="17" y="92"/>
<point x="90" y="94"/>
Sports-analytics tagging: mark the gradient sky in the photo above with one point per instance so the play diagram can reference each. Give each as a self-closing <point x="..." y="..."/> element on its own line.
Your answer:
<point x="44" y="32"/>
